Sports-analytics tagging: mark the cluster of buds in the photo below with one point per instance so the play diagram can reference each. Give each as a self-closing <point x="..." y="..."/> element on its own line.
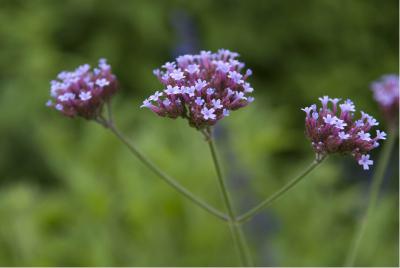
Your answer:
<point x="83" y="92"/>
<point x="386" y="93"/>
<point x="332" y="129"/>
<point x="202" y="88"/>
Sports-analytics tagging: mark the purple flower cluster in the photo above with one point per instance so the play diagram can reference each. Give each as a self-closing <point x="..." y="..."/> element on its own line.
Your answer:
<point x="83" y="92"/>
<point x="202" y="88"/>
<point x="386" y="93"/>
<point x="332" y="129"/>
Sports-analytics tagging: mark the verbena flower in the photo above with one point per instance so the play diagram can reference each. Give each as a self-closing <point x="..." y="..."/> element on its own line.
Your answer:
<point x="333" y="129"/>
<point x="202" y="88"/>
<point x="386" y="93"/>
<point x="83" y="92"/>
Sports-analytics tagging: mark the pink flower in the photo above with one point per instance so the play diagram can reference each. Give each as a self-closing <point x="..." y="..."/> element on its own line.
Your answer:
<point x="201" y="88"/>
<point x="335" y="131"/>
<point x="386" y="93"/>
<point x="83" y="92"/>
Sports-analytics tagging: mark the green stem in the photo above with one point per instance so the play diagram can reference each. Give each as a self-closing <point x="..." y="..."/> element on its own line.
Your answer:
<point x="377" y="180"/>
<point x="248" y="215"/>
<point x="170" y="181"/>
<point x="235" y="228"/>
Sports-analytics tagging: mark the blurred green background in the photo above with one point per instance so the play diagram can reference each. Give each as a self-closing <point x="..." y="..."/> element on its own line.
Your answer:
<point x="72" y="195"/>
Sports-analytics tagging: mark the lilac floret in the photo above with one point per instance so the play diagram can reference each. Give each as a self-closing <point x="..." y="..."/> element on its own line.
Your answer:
<point x="210" y="91"/>
<point x="177" y="75"/>
<point x="217" y="104"/>
<point x="380" y="135"/>
<point x="199" y="101"/>
<point x="343" y="136"/>
<point x="102" y="82"/>
<point x="85" y="96"/>
<point x="208" y="113"/>
<point x="365" y="161"/>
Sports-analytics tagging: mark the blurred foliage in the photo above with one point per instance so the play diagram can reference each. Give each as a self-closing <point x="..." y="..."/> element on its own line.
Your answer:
<point x="72" y="195"/>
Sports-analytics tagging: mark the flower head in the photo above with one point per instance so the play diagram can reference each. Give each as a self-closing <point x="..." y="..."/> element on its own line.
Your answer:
<point x="386" y="93"/>
<point x="333" y="130"/>
<point x="202" y="88"/>
<point x="83" y="92"/>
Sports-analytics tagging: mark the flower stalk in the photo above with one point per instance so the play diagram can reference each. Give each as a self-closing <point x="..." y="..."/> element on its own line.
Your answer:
<point x="248" y="215"/>
<point x="377" y="180"/>
<point x="234" y="227"/>
<point x="108" y="124"/>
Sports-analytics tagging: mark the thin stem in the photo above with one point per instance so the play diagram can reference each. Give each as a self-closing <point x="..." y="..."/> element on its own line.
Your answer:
<point x="109" y="112"/>
<point x="248" y="215"/>
<point x="170" y="181"/>
<point x="377" y="180"/>
<point x="235" y="228"/>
